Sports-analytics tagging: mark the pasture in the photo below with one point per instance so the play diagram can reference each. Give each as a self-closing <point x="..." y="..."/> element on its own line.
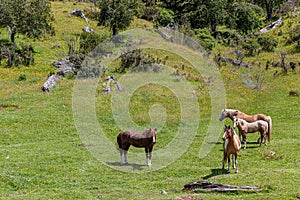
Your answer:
<point x="42" y="155"/>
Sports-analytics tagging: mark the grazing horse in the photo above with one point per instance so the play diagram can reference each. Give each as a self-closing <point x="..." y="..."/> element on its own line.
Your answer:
<point x="257" y="126"/>
<point x="146" y="139"/>
<point x="232" y="113"/>
<point x="232" y="145"/>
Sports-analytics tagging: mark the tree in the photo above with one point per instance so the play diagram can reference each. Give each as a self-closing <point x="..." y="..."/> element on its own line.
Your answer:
<point x="247" y="17"/>
<point x="269" y="6"/>
<point x="29" y="17"/>
<point x="116" y="14"/>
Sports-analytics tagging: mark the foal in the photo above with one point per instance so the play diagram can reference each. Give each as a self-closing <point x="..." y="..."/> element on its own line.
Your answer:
<point x="146" y="139"/>
<point x="232" y="113"/>
<point x="257" y="126"/>
<point x="232" y="145"/>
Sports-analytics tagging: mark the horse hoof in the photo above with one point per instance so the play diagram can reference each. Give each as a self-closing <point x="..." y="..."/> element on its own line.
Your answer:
<point x="228" y="172"/>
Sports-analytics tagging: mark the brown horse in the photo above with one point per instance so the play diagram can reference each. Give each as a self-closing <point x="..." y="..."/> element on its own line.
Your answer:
<point x="232" y="113"/>
<point x="146" y="139"/>
<point x="257" y="126"/>
<point x="232" y="145"/>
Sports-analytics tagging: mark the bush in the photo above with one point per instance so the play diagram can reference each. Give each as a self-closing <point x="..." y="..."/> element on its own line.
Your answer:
<point x="22" y="77"/>
<point x="89" y="41"/>
<point x="165" y="17"/>
<point x="267" y="43"/>
<point x="295" y="35"/>
<point x="138" y="61"/>
<point x="251" y="46"/>
<point x="206" y="40"/>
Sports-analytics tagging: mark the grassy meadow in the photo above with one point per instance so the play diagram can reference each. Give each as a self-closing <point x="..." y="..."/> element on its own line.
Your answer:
<point x="42" y="155"/>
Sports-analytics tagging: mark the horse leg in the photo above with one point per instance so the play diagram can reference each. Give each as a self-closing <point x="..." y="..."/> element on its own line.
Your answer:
<point x="228" y="170"/>
<point x="265" y="138"/>
<point x="233" y="161"/>
<point x="125" y="157"/>
<point x="244" y="140"/>
<point x="236" y="163"/>
<point x="121" y="153"/>
<point x="224" y="159"/>
<point x="148" y="156"/>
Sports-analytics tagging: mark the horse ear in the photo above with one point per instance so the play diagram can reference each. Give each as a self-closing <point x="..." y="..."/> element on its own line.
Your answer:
<point x="229" y="126"/>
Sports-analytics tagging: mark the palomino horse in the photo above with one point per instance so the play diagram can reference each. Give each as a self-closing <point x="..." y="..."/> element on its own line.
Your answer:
<point x="245" y="127"/>
<point x="232" y="113"/>
<point x="146" y="139"/>
<point x="232" y="145"/>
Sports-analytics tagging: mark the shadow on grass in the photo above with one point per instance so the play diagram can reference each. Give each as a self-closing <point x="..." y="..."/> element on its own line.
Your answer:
<point x="215" y="172"/>
<point x="134" y="166"/>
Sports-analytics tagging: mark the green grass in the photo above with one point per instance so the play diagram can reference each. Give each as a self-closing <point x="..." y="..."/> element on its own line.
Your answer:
<point x="43" y="157"/>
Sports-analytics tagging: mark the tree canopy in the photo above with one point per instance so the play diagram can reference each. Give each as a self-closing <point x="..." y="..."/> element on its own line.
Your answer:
<point x="29" y="17"/>
<point x="116" y="14"/>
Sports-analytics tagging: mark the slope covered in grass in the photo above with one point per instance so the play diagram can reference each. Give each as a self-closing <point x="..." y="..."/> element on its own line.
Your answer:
<point x="43" y="157"/>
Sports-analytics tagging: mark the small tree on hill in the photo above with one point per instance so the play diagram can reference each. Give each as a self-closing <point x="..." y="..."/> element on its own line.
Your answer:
<point x="29" y="17"/>
<point x="116" y="14"/>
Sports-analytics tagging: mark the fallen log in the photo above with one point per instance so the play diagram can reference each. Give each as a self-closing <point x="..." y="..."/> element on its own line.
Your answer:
<point x="234" y="62"/>
<point x="49" y="84"/>
<point x="270" y="27"/>
<point x="205" y="186"/>
<point x="110" y="79"/>
<point x="164" y="35"/>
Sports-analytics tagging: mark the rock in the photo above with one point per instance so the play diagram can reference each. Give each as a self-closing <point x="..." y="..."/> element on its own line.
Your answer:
<point x="163" y="192"/>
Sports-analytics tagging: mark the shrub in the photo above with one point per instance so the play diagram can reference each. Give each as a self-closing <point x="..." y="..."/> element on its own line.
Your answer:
<point x="267" y="43"/>
<point x="165" y="17"/>
<point x="251" y="46"/>
<point x="294" y="36"/>
<point x="22" y="77"/>
<point x="206" y="40"/>
<point x="88" y="41"/>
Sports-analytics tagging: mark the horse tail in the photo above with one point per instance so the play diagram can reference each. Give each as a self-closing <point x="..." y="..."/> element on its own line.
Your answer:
<point x="269" y="128"/>
<point x="119" y="138"/>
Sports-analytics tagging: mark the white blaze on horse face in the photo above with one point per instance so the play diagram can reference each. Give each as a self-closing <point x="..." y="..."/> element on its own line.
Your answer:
<point x="154" y="139"/>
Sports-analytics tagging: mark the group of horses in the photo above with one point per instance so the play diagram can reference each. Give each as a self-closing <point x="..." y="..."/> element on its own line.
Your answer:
<point x="245" y="123"/>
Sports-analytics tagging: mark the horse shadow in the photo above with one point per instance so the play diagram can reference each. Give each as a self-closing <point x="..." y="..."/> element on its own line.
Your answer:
<point x="133" y="165"/>
<point x="215" y="172"/>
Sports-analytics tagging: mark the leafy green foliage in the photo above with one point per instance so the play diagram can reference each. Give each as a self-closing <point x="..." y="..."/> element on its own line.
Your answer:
<point x="269" y="6"/>
<point x="251" y="46"/>
<point x="31" y="18"/>
<point x="247" y="17"/>
<point x="267" y="43"/>
<point x="165" y="17"/>
<point x="116" y="14"/>
<point x="295" y="35"/>
<point x="138" y="61"/>
<point x="206" y="40"/>
<point x="89" y="41"/>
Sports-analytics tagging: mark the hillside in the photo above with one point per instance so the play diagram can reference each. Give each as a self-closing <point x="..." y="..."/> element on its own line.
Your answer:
<point x="46" y="155"/>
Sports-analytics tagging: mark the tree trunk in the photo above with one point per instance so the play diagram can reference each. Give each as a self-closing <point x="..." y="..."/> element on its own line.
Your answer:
<point x="114" y="29"/>
<point x="269" y="8"/>
<point x="12" y="37"/>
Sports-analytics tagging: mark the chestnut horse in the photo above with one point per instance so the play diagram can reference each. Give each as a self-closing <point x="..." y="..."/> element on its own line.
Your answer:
<point x="146" y="139"/>
<point x="232" y="113"/>
<point x="257" y="126"/>
<point x="232" y="145"/>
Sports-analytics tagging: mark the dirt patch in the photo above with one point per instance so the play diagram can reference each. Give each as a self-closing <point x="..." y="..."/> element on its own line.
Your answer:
<point x="8" y="106"/>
